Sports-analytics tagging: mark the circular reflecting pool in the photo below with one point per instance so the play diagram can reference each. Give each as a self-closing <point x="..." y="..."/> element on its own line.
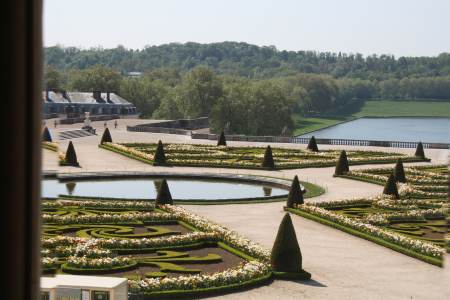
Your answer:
<point x="183" y="189"/>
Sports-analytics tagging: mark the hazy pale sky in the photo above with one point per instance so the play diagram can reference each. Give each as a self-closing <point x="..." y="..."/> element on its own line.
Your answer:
<point x="399" y="27"/>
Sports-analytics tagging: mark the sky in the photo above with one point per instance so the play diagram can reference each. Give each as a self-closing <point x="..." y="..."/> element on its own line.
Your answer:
<point x="398" y="27"/>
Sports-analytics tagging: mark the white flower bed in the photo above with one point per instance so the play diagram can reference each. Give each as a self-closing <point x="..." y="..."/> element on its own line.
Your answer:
<point x="186" y="154"/>
<point x="106" y="218"/>
<point x="416" y="215"/>
<point x="248" y="271"/>
<point x="416" y="182"/>
<point x="98" y="203"/>
<point x="98" y="263"/>
<point x="92" y="253"/>
<point x="419" y="246"/>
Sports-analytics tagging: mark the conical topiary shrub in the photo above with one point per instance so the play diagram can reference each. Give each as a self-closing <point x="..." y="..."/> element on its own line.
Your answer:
<point x="399" y="171"/>
<point x="268" y="159"/>
<point x="71" y="156"/>
<point x="390" y="188"/>
<point x="286" y="256"/>
<point x="164" y="197"/>
<point x="419" y="150"/>
<point x="312" y="145"/>
<point x="342" y="164"/>
<point x="222" y="141"/>
<point x="160" y="157"/>
<point x="46" y="136"/>
<point x="295" y="196"/>
<point x="106" y="137"/>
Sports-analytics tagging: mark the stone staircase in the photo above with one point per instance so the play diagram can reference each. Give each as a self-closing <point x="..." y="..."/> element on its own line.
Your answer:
<point x="73" y="134"/>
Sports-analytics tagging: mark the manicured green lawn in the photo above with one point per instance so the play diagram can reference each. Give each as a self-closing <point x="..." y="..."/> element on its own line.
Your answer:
<point x="382" y="108"/>
<point x="304" y="125"/>
<point x="404" y="109"/>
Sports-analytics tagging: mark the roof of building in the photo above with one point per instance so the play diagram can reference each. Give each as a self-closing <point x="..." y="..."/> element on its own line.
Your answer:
<point x="81" y="281"/>
<point x="83" y="98"/>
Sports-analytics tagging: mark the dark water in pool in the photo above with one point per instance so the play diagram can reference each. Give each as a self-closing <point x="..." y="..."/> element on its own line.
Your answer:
<point x="432" y="130"/>
<point x="146" y="189"/>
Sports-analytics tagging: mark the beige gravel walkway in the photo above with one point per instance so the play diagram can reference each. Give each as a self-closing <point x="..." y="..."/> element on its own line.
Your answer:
<point x="343" y="266"/>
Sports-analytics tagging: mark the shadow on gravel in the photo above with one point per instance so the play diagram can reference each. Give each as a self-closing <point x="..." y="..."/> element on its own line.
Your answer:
<point x="311" y="282"/>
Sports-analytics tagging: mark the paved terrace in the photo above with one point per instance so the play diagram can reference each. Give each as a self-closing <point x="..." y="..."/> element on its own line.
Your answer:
<point x="342" y="266"/>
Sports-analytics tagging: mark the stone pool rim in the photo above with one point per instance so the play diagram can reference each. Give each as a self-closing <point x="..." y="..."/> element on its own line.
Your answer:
<point x="252" y="179"/>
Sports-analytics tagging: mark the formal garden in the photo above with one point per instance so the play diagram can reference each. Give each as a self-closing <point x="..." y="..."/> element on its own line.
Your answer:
<point x="409" y="217"/>
<point x="163" y="250"/>
<point x="248" y="157"/>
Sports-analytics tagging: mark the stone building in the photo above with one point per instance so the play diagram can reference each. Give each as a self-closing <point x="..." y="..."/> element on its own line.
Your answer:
<point x="76" y="103"/>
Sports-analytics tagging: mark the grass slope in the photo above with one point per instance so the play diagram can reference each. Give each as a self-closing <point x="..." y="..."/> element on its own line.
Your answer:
<point x="384" y="108"/>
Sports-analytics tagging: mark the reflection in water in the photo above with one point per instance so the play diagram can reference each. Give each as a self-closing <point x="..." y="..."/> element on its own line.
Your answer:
<point x="147" y="189"/>
<point x="157" y="183"/>
<point x="267" y="191"/>
<point x="70" y="186"/>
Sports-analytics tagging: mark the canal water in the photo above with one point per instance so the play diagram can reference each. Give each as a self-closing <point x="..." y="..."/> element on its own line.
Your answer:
<point x="431" y="130"/>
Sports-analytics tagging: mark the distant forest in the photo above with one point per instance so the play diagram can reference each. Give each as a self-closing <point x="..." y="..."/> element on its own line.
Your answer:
<point x="246" y="88"/>
<point x="250" y="61"/>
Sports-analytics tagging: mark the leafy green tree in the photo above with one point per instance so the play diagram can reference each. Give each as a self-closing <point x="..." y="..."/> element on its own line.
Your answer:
<point x="53" y="78"/>
<point x="96" y="78"/>
<point x="170" y="107"/>
<point x="200" y="91"/>
<point x="234" y="109"/>
<point x="322" y="92"/>
<point x="270" y="109"/>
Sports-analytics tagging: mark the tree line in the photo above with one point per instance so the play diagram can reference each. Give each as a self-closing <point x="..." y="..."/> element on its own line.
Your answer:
<point x="239" y="104"/>
<point x="242" y="59"/>
<point x="245" y="88"/>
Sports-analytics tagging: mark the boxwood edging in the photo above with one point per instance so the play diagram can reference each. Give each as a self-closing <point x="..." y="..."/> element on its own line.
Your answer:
<point x="87" y="271"/>
<point x="204" y="292"/>
<point x="373" y="181"/>
<point x="49" y="147"/>
<point x="287" y="167"/>
<point x="379" y="241"/>
<point x="187" y="201"/>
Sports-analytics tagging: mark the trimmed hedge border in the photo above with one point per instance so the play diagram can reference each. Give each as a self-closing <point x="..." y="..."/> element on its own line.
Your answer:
<point x="125" y="251"/>
<point x="204" y="292"/>
<point x="288" y="167"/>
<point x="303" y="275"/>
<point x="379" y="241"/>
<point x="373" y="181"/>
<point x="49" y="147"/>
<point x="82" y="271"/>
<point x="187" y="201"/>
